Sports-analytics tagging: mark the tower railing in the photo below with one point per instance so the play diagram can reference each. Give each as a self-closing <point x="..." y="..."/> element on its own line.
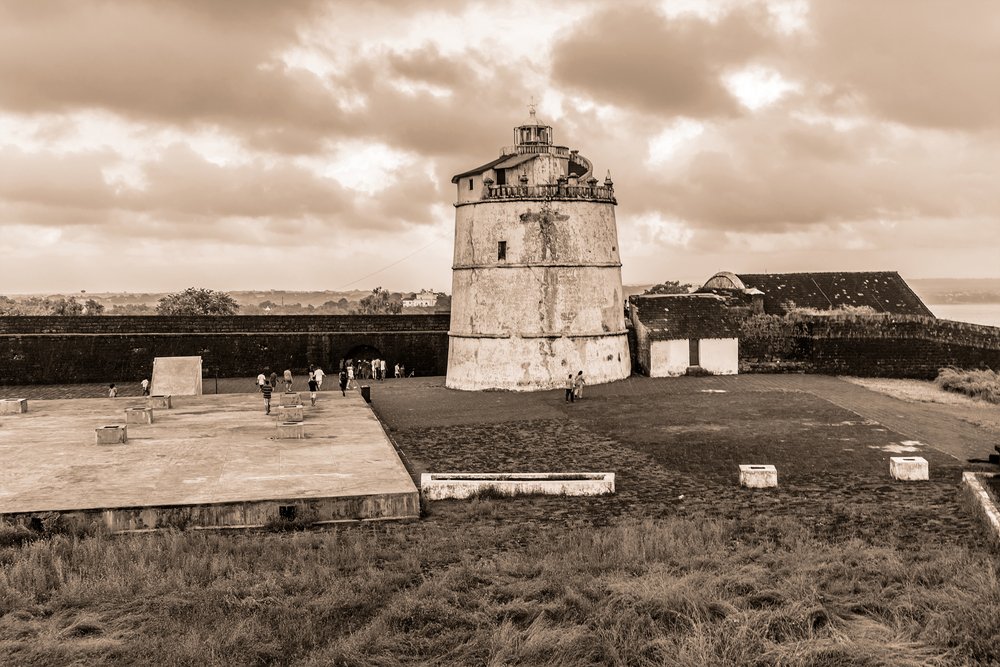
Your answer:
<point x="551" y="191"/>
<point x="523" y="149"/>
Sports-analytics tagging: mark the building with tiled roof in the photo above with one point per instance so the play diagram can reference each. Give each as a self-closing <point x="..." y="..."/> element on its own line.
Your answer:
<point x="675" y="332"/>
<point x="882" y="291"/>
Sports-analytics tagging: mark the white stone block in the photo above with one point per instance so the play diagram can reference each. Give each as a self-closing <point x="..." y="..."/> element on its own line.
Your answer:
<point x="112" y="435"/>
<point x="436" y="486"/>
<point x="161" y="401"/>
<point x="758" y="476"/>
<point x="290" y="430"/>
<point x="138" y="415"/>
<point x="291" y="398"/>
<point x="909" y="468"/>
<point x="290" y="413"/>
<point x="13" y="406"/>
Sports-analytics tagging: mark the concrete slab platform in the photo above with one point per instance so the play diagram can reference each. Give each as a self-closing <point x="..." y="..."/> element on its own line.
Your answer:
<point x="211" y="461"/>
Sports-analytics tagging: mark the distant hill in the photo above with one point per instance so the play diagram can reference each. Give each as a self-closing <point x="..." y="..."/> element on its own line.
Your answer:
<point x="957" y="290"/>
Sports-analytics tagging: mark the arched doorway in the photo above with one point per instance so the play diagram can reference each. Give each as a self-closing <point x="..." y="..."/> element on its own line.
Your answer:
<point x="361" y="357"/>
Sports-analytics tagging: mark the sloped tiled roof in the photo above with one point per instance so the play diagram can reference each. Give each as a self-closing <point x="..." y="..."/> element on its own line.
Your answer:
<point x="679" y="316"/>
<point x="502" y="162"/>
<point x="883" y="291"/>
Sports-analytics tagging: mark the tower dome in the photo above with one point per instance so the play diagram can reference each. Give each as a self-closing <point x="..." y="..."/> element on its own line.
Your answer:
<point x="536" y="282"/>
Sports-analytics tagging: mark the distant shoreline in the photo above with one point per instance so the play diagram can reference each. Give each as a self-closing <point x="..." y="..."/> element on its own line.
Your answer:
<point x="975" y="313"/>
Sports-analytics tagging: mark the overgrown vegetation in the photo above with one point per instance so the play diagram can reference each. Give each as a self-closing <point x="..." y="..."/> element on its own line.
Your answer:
<point x="983" y="384"/>
<point x="674" y="592"/>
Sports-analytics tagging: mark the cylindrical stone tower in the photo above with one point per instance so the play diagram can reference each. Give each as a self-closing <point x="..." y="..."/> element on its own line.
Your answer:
<point x="537" y="288"/>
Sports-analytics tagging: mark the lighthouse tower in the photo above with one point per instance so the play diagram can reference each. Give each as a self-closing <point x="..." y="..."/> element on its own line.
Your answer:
<point x="537" y="288"/>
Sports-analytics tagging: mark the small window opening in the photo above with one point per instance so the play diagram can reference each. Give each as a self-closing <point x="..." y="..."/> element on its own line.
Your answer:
<point x="470" y="183"/>
<point x="286" y="512"/>
<point x="694" y="351"/>
<point x="501" y="250"/>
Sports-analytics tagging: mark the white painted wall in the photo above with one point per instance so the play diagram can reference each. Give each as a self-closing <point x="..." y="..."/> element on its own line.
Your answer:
<point x="720" y="356"/>
<point x="668" y="358"/>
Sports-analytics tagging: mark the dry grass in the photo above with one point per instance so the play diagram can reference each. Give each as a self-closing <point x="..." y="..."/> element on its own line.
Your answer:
<point x="671" y="592"/>
<point x="981" y="384"/>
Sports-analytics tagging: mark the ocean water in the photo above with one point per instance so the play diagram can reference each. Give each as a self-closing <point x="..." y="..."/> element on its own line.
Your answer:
<point x="977" y="313"/>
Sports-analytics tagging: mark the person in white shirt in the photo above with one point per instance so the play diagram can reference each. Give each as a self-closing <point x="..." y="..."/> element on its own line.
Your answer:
<point x="318" y="376"/>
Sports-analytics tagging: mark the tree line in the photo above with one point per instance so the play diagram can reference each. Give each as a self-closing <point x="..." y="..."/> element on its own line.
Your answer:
<point x="202" y="301"/>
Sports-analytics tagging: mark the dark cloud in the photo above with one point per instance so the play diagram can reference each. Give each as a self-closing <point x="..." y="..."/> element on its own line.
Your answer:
<point x="632" y="56"/>
<point x="930" y="63"/>
<point x="165" y="62"/>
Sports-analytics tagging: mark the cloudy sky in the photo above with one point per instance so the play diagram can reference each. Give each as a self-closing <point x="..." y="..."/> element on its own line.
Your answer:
<point x="242" y="144"/>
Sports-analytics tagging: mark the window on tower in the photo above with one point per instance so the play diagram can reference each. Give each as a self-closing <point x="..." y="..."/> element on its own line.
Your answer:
<point x="501" y="250"/>
<point x="470" y="183"/>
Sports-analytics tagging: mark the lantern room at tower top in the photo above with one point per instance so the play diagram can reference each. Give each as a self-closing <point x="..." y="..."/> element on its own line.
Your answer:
<point x="534" y="167"/>
<point x="536" y="292"/>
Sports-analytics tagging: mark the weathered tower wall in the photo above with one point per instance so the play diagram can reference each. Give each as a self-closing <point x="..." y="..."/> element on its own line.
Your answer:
<point x="550" y="307"/>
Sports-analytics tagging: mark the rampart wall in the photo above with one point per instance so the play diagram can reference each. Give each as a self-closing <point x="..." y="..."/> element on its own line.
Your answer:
<point x="46" y="350"/>
<point x="870" y="346"/>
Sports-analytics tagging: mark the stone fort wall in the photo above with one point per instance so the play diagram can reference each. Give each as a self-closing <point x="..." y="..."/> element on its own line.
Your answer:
<point x="876" y="346"/>
<point x="47" y="350"/>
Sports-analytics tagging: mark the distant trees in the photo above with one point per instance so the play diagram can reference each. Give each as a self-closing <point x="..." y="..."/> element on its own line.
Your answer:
<point x="197" y="301"/>
<point x="379" y="302"/>
<point x="671" y="287"/>
<point x="64" y="306"/>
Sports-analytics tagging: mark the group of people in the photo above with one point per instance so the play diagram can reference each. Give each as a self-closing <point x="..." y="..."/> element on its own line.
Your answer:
<point x="574" y="387"/>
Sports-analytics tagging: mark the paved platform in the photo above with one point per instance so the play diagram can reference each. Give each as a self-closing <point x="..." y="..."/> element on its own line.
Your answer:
<point x="211" y="461"/>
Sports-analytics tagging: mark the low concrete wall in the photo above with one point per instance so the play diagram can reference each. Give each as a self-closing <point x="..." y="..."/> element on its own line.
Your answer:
<point x="981" y="504"/>
<point x="437" y="486"/>
<point x="245" y="514"/>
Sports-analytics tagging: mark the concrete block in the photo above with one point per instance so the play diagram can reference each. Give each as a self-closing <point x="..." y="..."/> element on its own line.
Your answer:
<point x="436" y="486"/>
<point x="366" y="393"/>
<point x="161" y="402"/>
<point x="138" y="415"/>
<point x="291" y="398"/>
<point x="758" y="476"/>
<point x="112" y="434"/>
<point x="13" y="406"/>
<point x="290" y="430"/>
<point x="180" y="376"/>
<point x="290" y="413"/>
<point x="908" y="468"/>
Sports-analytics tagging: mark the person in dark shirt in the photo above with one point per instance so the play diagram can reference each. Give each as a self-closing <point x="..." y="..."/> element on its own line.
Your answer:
<point x="266" y="390"/>
<point x="313" y="387"/>
<point x="343" y="381"/>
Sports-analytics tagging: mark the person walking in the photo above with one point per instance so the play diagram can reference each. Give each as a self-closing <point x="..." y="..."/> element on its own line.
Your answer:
<point x="318" y="375"/>
<point x="312" y="390"/>
<point x="274" y="380"/>
<point x="112" y="391"/>
<point x="261" y="379"/>
<point x="288" y="380"/>
<point x="343" y="382"/>
<point x="578" y="385"/>
<point x="145" y="387"/>
<point x="350" y="376"/>
<point x="381" y="369"/>
<point x="265" y="390"/>
<point x="570" y="388"/>
<point x="397" y="371"/>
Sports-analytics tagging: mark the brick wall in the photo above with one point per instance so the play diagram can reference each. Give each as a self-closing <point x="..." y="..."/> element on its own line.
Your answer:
<point x="45" y="350"/>
<point x="870" y="346"/>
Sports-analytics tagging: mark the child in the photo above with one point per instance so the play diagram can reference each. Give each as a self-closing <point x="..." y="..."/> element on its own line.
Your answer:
<point x="145" y="387"/>
<point x="266" y="390"/>
<point x="570" y="386"/>
<point x="312" y="390"/>
<point x="112" y="391"/>
<point x="343" y="381"/>
<point x="288" y="380"/>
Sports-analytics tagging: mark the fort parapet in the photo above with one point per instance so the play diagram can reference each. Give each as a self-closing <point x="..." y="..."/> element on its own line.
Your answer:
<point x="48" y="350"/>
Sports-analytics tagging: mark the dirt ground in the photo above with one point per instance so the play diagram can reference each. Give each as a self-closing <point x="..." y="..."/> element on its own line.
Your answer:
<point x="675" y="445"/>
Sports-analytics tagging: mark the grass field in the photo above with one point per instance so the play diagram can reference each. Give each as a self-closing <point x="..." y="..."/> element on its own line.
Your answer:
<point x="838" y="566"/>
